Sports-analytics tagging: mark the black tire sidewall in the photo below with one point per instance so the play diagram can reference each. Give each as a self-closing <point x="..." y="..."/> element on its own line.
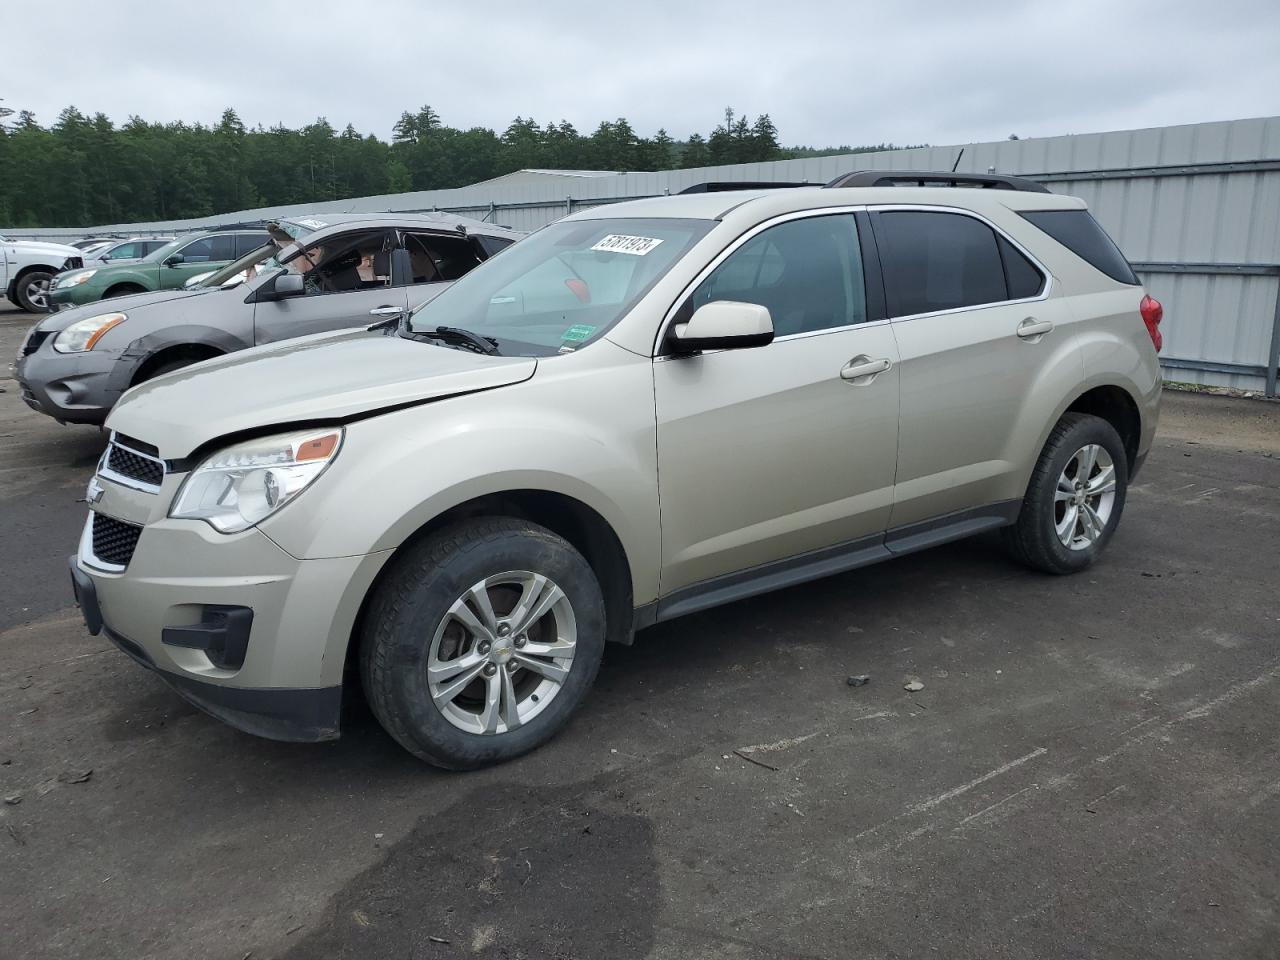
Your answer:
<point x="406" y="634"/>
<point x="1087" y="430"/>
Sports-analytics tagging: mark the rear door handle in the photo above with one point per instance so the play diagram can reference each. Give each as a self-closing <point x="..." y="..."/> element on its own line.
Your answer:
<point x="386" y="310"/>
<point x="864" y="366"/>
<point x="1032" y="329"/>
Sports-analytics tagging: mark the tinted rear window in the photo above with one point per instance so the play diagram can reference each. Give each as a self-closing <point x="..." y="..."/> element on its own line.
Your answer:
<point x="1082" y="235"/>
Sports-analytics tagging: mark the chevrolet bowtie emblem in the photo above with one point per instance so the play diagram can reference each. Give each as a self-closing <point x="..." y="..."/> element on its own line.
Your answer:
<point x="94" y="491"/>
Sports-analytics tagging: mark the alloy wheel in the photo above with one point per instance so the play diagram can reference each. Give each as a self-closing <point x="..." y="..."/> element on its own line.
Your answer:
<point x="502" y="652"/>
<point x="37" y="294"/>
<point x="1085" y="497"/>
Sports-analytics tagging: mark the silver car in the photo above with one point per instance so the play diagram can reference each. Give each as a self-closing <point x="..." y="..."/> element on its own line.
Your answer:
<point x="322" y="272"/>
<point x="643" y="410"/>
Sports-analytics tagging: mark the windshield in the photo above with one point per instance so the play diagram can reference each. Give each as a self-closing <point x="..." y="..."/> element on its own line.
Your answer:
<point x="564" y="286"/>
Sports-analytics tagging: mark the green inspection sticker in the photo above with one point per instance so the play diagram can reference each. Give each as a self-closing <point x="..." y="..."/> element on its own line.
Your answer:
<point x="578" y="332"/>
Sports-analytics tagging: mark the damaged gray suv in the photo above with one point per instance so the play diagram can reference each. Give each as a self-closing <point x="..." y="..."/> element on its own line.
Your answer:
<point x="641" y="411"/>
<point x="320" y="272"/>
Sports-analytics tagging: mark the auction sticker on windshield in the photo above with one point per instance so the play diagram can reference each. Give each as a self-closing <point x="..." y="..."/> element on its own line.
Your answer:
<point x="622" y="243"/>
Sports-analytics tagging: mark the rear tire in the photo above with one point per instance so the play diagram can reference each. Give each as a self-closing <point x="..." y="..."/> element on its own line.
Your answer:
<point x="1074" y="500"/>
<point x="481" y="642"/>
<point x="32" y="291"/>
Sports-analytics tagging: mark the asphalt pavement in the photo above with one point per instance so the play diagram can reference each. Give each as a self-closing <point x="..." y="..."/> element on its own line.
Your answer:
<point x="1091" y="769"/>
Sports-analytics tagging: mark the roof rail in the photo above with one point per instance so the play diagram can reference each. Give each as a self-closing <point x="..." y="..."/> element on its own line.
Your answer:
<point x="935" y="178"/>
<point x="721" y="186"/>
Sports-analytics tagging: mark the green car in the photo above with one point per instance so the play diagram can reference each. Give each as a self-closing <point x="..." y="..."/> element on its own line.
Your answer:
<point x="164" y="269"/>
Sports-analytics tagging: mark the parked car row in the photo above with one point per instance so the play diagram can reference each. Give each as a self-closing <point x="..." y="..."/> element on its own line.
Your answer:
<point x="643" y="410"/>
<point x="298" y="277"/>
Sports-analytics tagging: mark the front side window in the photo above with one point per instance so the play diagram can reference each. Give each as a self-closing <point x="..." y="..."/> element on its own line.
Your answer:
<point x="563" y="287"/>
<point x="808" y="273"/>
<point x="343" y="263"/>
<point x="938" y="261"/>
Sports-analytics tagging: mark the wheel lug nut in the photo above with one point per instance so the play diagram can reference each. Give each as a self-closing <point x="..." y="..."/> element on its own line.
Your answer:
<point x="490" y="669"/>
<point x="512" y="666"/>
<point x="504" y="630"/>
<point x="521" y="641"/>
<point x="484" y="647"/>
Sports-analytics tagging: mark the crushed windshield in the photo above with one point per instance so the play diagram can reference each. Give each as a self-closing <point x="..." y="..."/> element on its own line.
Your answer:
<point x="564" y="286"/>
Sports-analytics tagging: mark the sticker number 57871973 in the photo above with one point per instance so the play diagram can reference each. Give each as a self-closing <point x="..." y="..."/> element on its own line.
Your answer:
<point x="621" y="243"/>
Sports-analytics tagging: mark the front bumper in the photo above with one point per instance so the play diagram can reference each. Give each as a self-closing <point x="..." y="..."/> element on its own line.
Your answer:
<point x="286" y="681"/>
<point x="72" y="387"/>
<point x="76" y="296"/>
<point x="296" y="715"/>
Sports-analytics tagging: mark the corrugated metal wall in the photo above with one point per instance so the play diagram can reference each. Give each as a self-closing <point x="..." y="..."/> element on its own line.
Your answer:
<point x="1196" y="208"/>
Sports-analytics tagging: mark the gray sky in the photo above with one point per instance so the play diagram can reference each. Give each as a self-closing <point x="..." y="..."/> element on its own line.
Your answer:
<point x="827" y="71"/>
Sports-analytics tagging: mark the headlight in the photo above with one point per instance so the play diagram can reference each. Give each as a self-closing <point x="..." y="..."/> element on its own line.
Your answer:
<point x="242" y="485"/>
<point x="83" y="334"/>
<point x="74" y="279"/>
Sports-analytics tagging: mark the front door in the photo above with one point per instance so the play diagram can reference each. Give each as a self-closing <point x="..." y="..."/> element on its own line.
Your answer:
<point x="772" y="452"/>
<point x="199" y="256"/>
<point x="348" y="283"/>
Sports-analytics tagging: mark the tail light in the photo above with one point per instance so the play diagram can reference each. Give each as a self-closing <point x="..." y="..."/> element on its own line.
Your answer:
<point x="1152" y="313"/>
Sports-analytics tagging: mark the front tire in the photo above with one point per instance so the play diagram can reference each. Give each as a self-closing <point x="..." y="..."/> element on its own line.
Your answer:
<point x="33" y="291"/>
<point x="1075" y="498"/>
<point x="481" y="642"/>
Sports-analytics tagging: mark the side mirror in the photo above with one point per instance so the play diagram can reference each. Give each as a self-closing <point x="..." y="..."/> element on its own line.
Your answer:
<point x="282" y="286"/>
<point x="174" y="259"/>
<point x="723" y="325"/>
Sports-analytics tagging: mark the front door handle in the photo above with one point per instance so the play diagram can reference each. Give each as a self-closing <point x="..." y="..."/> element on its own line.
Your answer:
<point x="864" y="366"/>
<point x="386" y="310"/>
<point x="1033" y="329"/>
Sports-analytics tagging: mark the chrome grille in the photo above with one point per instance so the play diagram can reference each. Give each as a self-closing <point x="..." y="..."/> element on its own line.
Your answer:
<point x="114" y="540"/>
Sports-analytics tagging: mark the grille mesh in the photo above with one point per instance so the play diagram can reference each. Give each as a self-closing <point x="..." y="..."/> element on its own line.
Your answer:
<point x="34" y="339"/>
<point x="128" y="464"/>
<point x="114" y="540"/>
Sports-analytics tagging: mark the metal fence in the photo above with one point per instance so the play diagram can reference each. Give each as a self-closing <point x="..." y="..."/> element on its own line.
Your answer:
<point x="1196" y="208"/>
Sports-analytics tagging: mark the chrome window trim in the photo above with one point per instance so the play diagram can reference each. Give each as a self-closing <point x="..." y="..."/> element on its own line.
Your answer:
<point x="1045" y="291"/>
<point x="669" y="316"/>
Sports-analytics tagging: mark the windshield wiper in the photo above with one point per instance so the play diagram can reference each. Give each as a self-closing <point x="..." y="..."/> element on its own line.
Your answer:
<point x="463" y="338"/>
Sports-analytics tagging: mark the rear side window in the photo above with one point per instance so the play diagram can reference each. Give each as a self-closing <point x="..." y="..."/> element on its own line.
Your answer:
<point x="1021" y="275"/>
<point x="938" y="261"/>
<point x="1082" y="235"/>
<point x="248" y="242"/>
<point x="437" y="257"/>
<point x="492" y="245"/>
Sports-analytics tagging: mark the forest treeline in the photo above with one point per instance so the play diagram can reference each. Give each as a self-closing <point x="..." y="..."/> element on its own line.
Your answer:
<point x="84" y="170"/>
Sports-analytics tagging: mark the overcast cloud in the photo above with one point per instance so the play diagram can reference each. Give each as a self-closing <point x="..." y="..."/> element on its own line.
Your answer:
<point x="827" y="72"/>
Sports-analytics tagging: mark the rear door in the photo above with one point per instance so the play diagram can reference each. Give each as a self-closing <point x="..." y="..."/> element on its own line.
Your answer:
<point x="977" y="331"/>
<point x="348" y="283"/>
<point x="770" y="453"/>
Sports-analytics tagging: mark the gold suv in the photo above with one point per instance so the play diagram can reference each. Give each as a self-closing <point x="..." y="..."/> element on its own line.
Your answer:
<point x="643" y="410"/>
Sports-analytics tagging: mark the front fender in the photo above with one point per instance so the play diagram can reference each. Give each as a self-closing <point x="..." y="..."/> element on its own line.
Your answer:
<point x="398" y="471"/>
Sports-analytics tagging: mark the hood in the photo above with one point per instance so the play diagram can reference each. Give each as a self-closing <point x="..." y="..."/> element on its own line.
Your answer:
<point x="323" y="377"/>
<point x="64" y="318"/>
<point x="59" y="250"/>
